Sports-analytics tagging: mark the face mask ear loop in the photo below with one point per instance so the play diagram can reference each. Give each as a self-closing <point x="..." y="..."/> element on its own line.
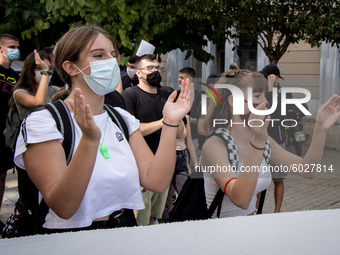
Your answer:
<point x="80" y="71"/>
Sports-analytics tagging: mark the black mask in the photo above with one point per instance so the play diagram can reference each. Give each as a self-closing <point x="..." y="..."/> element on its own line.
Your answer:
<point x="154" y="79"/>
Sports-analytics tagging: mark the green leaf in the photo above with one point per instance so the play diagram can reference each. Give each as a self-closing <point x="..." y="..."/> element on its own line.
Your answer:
<point x="49" y="5"/>
<point x="81" y="2"/>
<point x="8" y="12"/>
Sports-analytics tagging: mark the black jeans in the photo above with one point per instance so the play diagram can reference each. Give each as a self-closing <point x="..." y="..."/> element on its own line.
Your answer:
<point x="126" y="219"/>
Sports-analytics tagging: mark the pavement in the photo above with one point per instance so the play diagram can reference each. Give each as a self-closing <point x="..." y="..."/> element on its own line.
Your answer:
<point x="320" y="193"/>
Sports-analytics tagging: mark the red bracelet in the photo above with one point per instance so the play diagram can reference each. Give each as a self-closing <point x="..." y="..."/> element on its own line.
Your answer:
<point x="225" y="186"/>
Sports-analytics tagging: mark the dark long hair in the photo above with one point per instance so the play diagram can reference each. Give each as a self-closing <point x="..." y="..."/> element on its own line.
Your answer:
<point x="27" y="77"/>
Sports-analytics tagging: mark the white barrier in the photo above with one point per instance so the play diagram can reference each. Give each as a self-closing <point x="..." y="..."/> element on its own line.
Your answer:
<point x="307" y="232"/>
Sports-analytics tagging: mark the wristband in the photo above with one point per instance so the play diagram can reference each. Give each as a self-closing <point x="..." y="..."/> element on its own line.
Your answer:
<point x="166" y="124"/>
<point x="46" y="72"/>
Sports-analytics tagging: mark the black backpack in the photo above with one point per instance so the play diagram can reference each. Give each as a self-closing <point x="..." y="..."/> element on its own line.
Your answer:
<point x="29" y="216"/>
<point x="11" y="131"/>
<point x="191" y="202"/>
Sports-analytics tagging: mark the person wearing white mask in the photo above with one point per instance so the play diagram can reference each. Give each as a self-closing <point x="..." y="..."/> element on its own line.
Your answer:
<point x="129" y="78"/>
<point x="95" y="190"/>
<point x="31" y="93"/>
<point x="9" y="51"/>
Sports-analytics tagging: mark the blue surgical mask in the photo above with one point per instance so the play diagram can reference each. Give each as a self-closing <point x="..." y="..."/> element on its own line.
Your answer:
<point x="12" y="54"/>
<point x="104" y="77"/>
<point x="131" y="72"/>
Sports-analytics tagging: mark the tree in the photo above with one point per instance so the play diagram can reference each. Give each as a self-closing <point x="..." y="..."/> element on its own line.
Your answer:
<point x="273" y="24"/>
<point x="126" y="21"/>
<point x="190" y="24"/>
<point x="21" y="18"/>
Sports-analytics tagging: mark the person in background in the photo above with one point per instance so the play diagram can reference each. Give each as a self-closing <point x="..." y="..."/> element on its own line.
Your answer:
<point x="32" y="93"/>
<point x="55" y="80"/>
<point x="185" y="152"/>
<point x="276" y="131"/>
<point x="115" y="98"/>
<point x="100" y="187"/>
<point x="9" y="52"/>
<point x="130" y="79"/>
<point x="252" y="149"/>
<point x="190" y="74"/>
<point x="146" y="102"/>
<point x="201" y="132"/>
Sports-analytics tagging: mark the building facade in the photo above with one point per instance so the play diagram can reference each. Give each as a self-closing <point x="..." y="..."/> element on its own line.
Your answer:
<point x="315" y="69"/>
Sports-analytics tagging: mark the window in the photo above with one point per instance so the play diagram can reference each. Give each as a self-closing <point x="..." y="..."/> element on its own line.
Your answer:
<point x="247" y="53"/>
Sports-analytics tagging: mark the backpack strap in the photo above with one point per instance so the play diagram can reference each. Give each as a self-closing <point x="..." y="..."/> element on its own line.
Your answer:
<point x="229" y="141"/>
<point x="62" y="117"/>
<point x="65" y="125"/>
<point x="117" y="119"/>
<point x="217" y="202"/>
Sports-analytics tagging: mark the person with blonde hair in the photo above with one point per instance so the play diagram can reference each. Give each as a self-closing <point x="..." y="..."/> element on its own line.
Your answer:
<point x="100" y="187"/>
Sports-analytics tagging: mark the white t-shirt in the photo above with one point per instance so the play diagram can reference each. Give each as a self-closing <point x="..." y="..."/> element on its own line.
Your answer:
<point x="228" y="208"/>
<point x="114" y="183"/>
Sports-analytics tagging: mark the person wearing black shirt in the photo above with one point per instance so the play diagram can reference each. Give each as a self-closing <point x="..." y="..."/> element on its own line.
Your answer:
<point x="9" y="51"/>
<point x="146" y="102"/>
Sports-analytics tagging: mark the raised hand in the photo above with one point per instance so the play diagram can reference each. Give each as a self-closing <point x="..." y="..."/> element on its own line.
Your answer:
<point x="272" y="80"/>
<point x="328" y="113"/>
<point x="39" y="63"/>
<point x="83" y="115"/>
<point x="173" y="112"/>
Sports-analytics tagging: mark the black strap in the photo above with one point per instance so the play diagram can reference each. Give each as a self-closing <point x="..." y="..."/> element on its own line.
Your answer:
<point x="65" y="125"/>
<point x="62" y="117"/>
<point x="117" y="119"/>
<point x="233" y="159"/>
<point x="262" y="198"/>
<point x="216" y="202"/>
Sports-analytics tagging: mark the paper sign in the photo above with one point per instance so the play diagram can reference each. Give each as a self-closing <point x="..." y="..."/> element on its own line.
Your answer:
<point x="145" y="48"/>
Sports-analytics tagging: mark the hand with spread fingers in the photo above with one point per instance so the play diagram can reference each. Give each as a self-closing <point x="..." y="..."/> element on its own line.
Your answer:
<point x="329" y="113"/>
<point x="173" y="112"/>
<point x="83" y="116"/>
<point x="38" y="62"/>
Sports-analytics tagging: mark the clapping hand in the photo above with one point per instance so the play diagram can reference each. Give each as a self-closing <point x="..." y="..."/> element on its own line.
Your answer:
<point x="83" y="115"/>
<point x="173" y="112"/>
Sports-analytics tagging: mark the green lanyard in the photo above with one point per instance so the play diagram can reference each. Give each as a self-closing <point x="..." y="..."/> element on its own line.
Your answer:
<point x="103" y="148"/>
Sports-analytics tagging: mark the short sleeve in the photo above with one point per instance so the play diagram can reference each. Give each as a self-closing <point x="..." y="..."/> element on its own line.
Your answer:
<point x="130" y="120"/>
<point x="38" y="127"/>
